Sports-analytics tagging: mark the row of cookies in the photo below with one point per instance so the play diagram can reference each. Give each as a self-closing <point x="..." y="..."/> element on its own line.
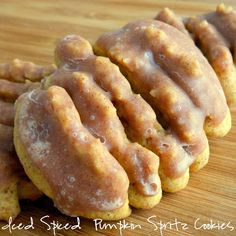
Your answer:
<point x="91" y="137"/>
<point x="214" y="33"/>
<point x="15" y="79"/>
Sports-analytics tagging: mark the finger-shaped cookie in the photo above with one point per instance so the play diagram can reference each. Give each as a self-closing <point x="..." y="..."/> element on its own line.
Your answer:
<point x="70" y="51"/>
<point x="224" y="20"/>
<point x="20" y="71"/>
<point x="73" y="54"/>
<point x="170" y="76"/>
<point x="48" y="135"/>
<point x="10" y="91"/>
<point x="214" y="33"/>
<point x="217" y="51"/>
<point x="99" y="116"/>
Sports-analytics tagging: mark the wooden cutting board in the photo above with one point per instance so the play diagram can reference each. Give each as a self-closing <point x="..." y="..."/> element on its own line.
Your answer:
<point x="29" y="30"/>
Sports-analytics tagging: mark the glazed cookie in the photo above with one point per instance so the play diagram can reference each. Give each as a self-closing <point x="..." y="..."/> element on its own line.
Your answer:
<point x="215" y="34"/>
<point x="19" y="76"/>
<point x="20" y="71"/>
<point x="166" y="68"/>
<point x="48" y="136"/>
<point x="87" y="79"/>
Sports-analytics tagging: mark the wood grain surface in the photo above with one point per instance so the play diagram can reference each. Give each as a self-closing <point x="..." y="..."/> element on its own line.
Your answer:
<point x="29" y="30"/>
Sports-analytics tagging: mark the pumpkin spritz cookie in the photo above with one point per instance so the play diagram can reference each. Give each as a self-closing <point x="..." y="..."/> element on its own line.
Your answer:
<point x="48" y="136"/>
<point x="96" y="83"/>
<point x="166" y="68"/>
